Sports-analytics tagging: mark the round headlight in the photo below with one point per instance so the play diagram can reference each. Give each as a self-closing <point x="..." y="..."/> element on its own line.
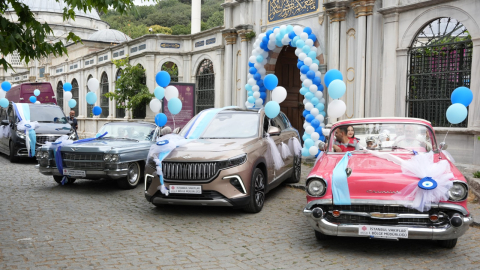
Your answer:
<point x="107" y="157"/>
<point x="316" y="188"/>
<point x="114" y="158"/>
<point x="458" y="192"/>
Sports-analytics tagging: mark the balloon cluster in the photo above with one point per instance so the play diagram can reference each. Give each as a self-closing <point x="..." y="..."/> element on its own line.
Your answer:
<point x="170" y="93"/>
<point x="6" y="86"/>
<point x="336" y="89"/>
<point x="91" y="97"/>
<point x="461" y="98"/>
<point x="33" y="98"/>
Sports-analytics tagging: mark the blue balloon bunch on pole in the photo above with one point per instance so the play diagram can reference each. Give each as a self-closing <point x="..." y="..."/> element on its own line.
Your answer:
<point x="170" y="93"/>
<point x="461" y="98"/>
<point x="6" y="86"/>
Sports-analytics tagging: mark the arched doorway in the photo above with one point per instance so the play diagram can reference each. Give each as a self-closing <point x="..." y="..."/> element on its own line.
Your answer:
<point x="440" y="60"/>
<point x="205" y="93"/>
<point x="89" y="106"/>
<point x="103" y="98"/>
<point x="172" y="69"/>
<point x="120" y="112"/>
<point x="75" y="95"/>
<point x="289" y="77"/>
<point x="60" y="94"/>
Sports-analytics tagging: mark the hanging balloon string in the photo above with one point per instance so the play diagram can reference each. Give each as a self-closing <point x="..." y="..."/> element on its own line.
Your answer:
<point x="447" y="133"/>
<point x="173" y="117"/>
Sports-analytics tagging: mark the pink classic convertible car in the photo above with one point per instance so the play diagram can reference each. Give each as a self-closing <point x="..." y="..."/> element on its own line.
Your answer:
<point x="390" y="179"/>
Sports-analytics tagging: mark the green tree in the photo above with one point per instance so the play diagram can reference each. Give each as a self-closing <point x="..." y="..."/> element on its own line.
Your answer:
<point x="215" y="20"/>
<point x="181" y="29"/>
<point x="134" y="30"/>
<point x="157" y="29"/>
<point x="130" y="92"/>
<point x="28" y="37"/>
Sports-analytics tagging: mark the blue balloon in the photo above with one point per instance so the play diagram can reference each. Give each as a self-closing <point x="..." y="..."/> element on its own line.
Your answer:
<point x="305" y="152"/>
<point x="160" y="119"/>
<point x="300" y="43"/>
<point x="294" y="41"/>
<point x="159" y="92"/>
<point x="91" y="98"/>
<point x="315" y="123"/>
<point x="33" y="99"/>
<point x="300" y="64"/>
<point x="320" y="107"/>
<point x="250" y="93"/>
<point x="162" y="78"/>
<point x="265" y="39"/>
<point x="322" y="138"/>
<point x="319" y="130"/>
<point x="315" y="61"/>
<point x="269" y="32"/>
<point x="270" y="82"/>
<point x="309" y="143"/>
<point x="248" y="87"/>
<point x="305" y="136"/>
<point x="305" y="113"/>
<point x="323" y="113"/>
<point x="6" y="86"/>
<point x="174" y="105"/>
<point x="304" y="69"/>
<point x="279" y="43"/>
<point x="260" y="83"/>
<point x="263" y="47"/>
<point x="4" y="103"/>
<point x="309" y="118"/>
<point x="312" y="37"/>
<point x="312" y="55"/>
<point x="97" y="110"/>
<point x="263" y="96"/>
<point x="331" y="75"/>
<point x="317" y="81"/>
<point x="336" y="89"/>
<point x="311" y="74"/>
<point x="72" y="103"/>
<point x="263" y="89"/>
<point x="456" y="113"/>
<point x="250" y="64"/>
<point x="314" y="101"/>
<point x="309" y="95"/>
<point x="67" y="87"/>
<point x="291" y="35"/>
<point x="320" y="87"/>
<point x="304" y="90"/>
<point x="462" y="95"/>
<point x="307" y="30"/>
<point x="272" y="109"/>
<point x="257" y="76"/>
<point x="251" y="99"/>
<point x="252" y="70"/>
<point x="259" y="58"/>
<point x="36" y="92"/>
<point x="306" y="49"/>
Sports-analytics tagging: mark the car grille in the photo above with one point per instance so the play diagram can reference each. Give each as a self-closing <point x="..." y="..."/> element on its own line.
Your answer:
<point x="83" y="160"/>
<point x="83" y="165"/>
<point x="189" y="170"/>
<point x="206" y="195"/>
<point x="82" y="156"/>
<point x="41" y="140"/>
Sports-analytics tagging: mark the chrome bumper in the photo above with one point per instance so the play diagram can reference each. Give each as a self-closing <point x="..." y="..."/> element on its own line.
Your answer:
<point x="443" y="232"/>
<point x="89" y="174"/>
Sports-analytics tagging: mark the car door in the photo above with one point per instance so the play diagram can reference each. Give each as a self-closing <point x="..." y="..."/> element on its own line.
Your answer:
<point x="3" y="140"/>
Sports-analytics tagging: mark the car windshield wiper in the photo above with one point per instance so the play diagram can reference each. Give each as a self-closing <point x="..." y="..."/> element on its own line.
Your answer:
<point x="217" y="138"/>
<point x="123" y="138"/>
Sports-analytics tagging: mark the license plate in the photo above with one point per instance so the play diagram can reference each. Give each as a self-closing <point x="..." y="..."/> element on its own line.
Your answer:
<point x="383" y="231"/>
<point x="73" y="173"/>
<point x="185" y="189"/>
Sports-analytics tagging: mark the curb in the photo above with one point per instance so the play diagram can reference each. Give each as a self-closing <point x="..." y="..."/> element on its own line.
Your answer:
<point x="474" y="184"/>
<point x="297" y="186"/>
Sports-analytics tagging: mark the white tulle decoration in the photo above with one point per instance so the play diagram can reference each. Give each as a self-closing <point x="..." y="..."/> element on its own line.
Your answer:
<point x="284" y="151"/>
<point x="5" y="131"/>
<point x="448" y="155"/>
<point x="273" y="155"/>
<point x="295" y="146"/>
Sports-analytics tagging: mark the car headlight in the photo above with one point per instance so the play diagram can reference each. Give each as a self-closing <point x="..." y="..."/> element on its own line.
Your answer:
<point x="107" y="157"/>
<point x="21" y="134"/>
<point x="316" y="187"/>
<point x="458" y="192"/>
<point x="41" y="154"/>
<point x="232" y="162"/>
<point x="114" y="158"/>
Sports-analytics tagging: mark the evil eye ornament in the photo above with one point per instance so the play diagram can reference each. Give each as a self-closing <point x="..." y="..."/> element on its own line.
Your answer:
<point x="427" y="183"/>
<point x="162" y="142"/>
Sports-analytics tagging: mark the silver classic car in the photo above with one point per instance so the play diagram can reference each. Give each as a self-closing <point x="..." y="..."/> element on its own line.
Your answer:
<point x="120" y="154"/>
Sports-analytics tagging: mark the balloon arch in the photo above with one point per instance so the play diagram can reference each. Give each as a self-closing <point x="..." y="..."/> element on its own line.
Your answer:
<point x="258" y="82"/>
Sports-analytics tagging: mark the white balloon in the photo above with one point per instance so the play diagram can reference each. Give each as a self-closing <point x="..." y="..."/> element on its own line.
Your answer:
<point x="265" y="60"/>
<point x="309" y="106"/>
<point x="271" y="46"/>
<point x="285" y="41"/>
<point x="307" y="83"/>
<point x="307" y="61"/>
<point x="318" y="74"/>
<point x="313" y="88"/>
<point x="252" y="81"/>
<point x="252" y="59"/>
<point x="319" y="95"/>
<point x="313" y="48"/>
<point x="314" y="67"/>
<point x="336" y="108"/>
<point x="255" y="88"/>
<point x="304" y="36"/>
<point x="283" y="27"/>
<point x="37" y="102"/>
<point x="249" y="76"/>
<point x="264" y="54"/>
<point x="309" y="42"/>
<point x="171" y="92"/>
<point x="298" y="30"/>
<point x="276" y="31"/>
<point x="322" y="125"/>
<point x="306" y="124"/>
<point x="248" y="104"/>
<point x="261" y="36"/>
<point x="298" y="51"/>
<point x="262" y="71"/>
<point x="303" y="77"/>
<point x="309" y="130"/>
<point x="256" y="95"/>
<point x="322" y="100"/>
<point x="320" y="118"/>
<point x="255" y="52"/>
<point x="271" y="37"/>
<point x="258" y="102"/>
<point x="305" y="101"/>
<point x="315" y="136"/>
<point x="67" y="96"/>
<point x="155" y="105"/>
<point x="2" y="93"/>
<point x="279" y="94"/>
<point x="257" y="65"/>
<point x="314" y="112"/>
<point x="302" y="56"/>
<point x="313" y="150"/>
<point x="93" y="84"/>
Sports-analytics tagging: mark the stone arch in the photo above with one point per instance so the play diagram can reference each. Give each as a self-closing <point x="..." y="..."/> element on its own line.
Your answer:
<point x="169" y="67"/>
<point x="59" y="93"/>
<point x="173" y="60"/>
<point x="199" y="61"/>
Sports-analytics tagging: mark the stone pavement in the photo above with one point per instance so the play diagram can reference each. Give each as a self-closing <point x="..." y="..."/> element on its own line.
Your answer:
<point x="95" y="225"/>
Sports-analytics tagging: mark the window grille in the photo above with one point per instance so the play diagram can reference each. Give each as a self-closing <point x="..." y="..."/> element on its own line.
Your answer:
<point x="42" y="73"/>
<point x="121" y="53"/>
<point x="205" y="93"/>
<point x="15" y="59"/>
<point x="134" y="49"/>
<point x="142" y="47"/>
<point x="89" y="107"/>
<point x="120" y="112"/>
<point x="103" y="98"/>
<point x="172" y="69"/>
<point x="115" y="54"/>
<point x="60" y="94"/>
<point x="100" y="59"/>
<point x="440" y="60"/>
<point x="75" y="95"/>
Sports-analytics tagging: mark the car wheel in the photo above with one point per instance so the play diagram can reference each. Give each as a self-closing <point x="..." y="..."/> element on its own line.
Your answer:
<point x="58" y="179"/>
<point x="448" y="243"/>
<point x="134" y="174"/>
<point x="12" y="156"/>
<point x="257" y="192"/>
<point x="297" y="170"/>
<point x="321" y="236"/>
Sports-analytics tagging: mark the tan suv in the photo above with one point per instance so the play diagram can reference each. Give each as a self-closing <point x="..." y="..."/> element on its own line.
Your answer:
<point x="228" y="165"/>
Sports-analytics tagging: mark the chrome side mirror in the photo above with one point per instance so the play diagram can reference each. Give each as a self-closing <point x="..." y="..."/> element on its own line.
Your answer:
<point x="443" y="146"/>
<point x="273" y="131"/>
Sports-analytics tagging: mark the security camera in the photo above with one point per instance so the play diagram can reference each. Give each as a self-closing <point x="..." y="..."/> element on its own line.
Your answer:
<point x="150" y="30"/>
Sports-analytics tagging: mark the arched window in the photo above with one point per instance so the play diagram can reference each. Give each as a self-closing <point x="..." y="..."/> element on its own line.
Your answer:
<point x="120" y="112"/>
<point x="141" y="111"/>
<point x="205" y="93"/>
<point x="103" y="98"/>
<point x="75" y="95"/>
<point x="60" y="94"/>
<point x="89" y="107"/>
<point x="172" y="69"/>
<point x="440" y="60"/>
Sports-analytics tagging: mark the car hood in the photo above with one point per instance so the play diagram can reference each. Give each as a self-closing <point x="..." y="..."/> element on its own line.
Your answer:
<point x="53" y="128"/>
<point x="108" y="145"/>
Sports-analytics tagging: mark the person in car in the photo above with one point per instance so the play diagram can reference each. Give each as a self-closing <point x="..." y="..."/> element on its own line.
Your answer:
<point x="342" y="142"/>
<point x="166" y="130"/>
<point x="121" y="132"/>
<point x="411" y="139"/>
<point x="351" y="134"/>
<point x="371" y="143"/>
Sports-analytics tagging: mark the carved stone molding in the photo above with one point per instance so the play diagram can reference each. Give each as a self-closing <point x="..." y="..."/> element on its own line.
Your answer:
<point x="336" y="10"/>
<point x="243" y="30"/>
<point x="230" y="36"/>
<point x="363" y="7"/>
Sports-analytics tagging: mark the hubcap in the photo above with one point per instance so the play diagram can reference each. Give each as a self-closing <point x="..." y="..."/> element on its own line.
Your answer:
<point x="259" y="190"/>
<point x="133" y="172"/>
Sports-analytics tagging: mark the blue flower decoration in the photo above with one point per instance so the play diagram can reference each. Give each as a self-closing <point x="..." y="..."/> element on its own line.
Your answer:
<point x="427" y="183"/>
<point x="162" y="142"/>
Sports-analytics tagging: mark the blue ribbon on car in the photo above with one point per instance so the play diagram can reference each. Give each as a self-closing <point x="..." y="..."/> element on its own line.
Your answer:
<point x="204" y="119"/>
<point x="24" y="124"/>
<point x="340" y="191"/>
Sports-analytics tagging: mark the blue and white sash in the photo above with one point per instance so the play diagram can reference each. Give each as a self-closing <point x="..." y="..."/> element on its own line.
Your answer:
<point x="340" y="191"/>
<point x="24" y="124"/>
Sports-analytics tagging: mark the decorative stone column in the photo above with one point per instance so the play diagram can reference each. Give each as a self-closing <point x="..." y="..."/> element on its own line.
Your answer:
<point x="230" y="36"/>
<point x="150" y="73"/>
<point x="242" y="32"/>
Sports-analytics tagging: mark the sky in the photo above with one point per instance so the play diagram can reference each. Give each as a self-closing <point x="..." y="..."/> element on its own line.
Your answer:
<point x="145" y="2"/>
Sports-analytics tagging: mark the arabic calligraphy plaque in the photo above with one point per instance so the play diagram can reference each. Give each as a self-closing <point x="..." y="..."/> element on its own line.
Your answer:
<point x="279" y="10"/>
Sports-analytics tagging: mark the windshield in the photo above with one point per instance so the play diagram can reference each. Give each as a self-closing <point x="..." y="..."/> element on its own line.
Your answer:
<point x="141" y="132"/>
<point x="47" y="114"/>
<point x="382" y="137"/>
<point x="232" y="125"/>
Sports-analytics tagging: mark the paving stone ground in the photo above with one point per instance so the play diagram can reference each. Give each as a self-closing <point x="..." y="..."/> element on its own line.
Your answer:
<point x="95" y="225"/>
